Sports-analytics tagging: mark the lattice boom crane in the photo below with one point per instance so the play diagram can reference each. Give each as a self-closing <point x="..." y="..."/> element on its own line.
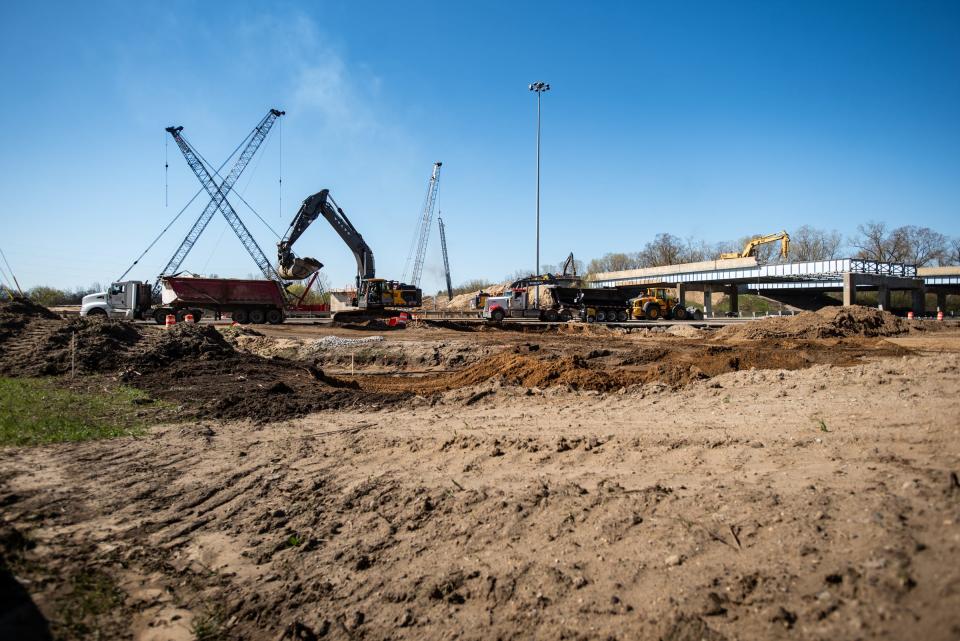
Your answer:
<point x="219" y="201"/>
<point x="256" y="139"/>
<point x="426" y="220"/>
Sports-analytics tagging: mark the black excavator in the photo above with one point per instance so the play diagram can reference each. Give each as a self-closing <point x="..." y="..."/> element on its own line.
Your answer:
<point x="376" y="297"/>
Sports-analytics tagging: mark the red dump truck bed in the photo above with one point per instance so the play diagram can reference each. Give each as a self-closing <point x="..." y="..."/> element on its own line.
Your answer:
<point x="246" y="300"/>
<point x="224" y="293"/>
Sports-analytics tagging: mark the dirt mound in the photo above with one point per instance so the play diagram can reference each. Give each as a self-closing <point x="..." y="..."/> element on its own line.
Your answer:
<point x="829" y="322"/>
<point x="191" y="366"/>
<point x="531" y="371"/>
<point x="17" y="313"/>
<point x="52" y="347"/>
<point x="244" y="386"/>
<point x="185" y="341"/>
<point x="465" y="301"/>
<point x="196" y="366"/>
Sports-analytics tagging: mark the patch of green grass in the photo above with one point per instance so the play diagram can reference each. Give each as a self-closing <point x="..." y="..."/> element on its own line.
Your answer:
<point x="93" y="594"/>
<point x="208" y="625"/>
<point x="822" y="425"/>
<point x="35" y="412"/>
<point x="294" y="541"/>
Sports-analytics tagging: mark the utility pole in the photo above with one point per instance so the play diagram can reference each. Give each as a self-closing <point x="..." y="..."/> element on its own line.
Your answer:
<point x="539" y="88"/>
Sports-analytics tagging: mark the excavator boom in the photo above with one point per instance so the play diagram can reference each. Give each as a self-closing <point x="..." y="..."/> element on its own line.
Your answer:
<point x="322" y="204"/>
<point x="750" y="248"/>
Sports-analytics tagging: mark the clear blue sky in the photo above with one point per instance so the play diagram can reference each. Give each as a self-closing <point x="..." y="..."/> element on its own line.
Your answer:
<point x="714" y="120"/>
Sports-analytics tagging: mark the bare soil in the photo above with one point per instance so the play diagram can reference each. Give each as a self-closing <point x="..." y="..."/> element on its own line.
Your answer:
<point x="574" y="484"/>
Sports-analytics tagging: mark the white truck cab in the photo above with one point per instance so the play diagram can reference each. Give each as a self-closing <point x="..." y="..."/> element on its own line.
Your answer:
<point x="128" y="299"/>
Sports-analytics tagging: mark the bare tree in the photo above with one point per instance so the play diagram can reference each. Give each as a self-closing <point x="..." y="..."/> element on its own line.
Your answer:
<point x="952" y="257"/>
<point x="923" y="246"/>
<point x="664" y="249"/>
<point x="613" y="262"/>
<point x="871" y="242"/>
<point x="810" y="243"/>
<point x="908" y="244"/>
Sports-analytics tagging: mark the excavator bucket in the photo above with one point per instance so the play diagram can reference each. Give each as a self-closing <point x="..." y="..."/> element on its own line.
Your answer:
<point x="299" y="269"/>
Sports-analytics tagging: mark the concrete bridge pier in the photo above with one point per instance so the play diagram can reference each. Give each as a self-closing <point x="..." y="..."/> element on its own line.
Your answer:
<point x="883" y="296"/>
<point x="734" y="296"/>
<point x="708" y="301"/>
<point x="682" y="294"/>
<point x="919" y="300"/>
<point x="883" y="284"/>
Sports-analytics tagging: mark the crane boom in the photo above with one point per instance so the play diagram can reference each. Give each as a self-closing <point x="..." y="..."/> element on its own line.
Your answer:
<point x="446" y="261"/>
<point x="426" y="219"/>
<point x="219" y="200"/>
<point x="323" y="204"/>
<point x="257" y="137"/>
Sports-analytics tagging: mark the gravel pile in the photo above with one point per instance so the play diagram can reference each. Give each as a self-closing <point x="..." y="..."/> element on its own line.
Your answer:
<point x="328" y="342"/>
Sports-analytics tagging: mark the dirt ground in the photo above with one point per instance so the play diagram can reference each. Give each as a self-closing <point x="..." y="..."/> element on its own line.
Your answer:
<point x="445" y="483"/>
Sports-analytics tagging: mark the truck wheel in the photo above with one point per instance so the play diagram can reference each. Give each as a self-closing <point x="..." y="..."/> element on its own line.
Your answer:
<point x="182" y="315"/>
<point x="274" y="316"/>
<point x="550" y="316"/>
<point x="601" y="316"/>
<point x="97" y="312"/>
<point x="497" y="315"/>
<point x="197" y="315"/>
<point x="160" y="317"/>
<point x="591" y="319"/>
<point x="651" y="311"/>
<point x="680" y="312"/>
<point x="240" y="316"/>
<point x="566" y="316"/>
<point x="622" y="316"/>
<point x="257" y="316"/>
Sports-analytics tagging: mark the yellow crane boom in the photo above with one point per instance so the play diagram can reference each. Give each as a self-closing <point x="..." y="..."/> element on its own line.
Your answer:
<point x="750" y="248"/>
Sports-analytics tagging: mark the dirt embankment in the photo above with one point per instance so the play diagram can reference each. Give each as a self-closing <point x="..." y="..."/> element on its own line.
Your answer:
<point x="248" y="375"/>
<point x="192" y="366"/>
<point x="829" y="322"/>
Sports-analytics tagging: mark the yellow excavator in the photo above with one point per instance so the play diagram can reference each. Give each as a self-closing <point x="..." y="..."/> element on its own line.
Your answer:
<point x="750" y="248"/>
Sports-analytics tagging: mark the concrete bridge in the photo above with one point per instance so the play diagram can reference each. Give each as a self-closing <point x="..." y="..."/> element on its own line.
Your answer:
<point x="795" y="282"/>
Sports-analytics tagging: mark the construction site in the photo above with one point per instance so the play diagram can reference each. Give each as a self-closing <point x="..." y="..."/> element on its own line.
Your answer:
<point x="748" y="443"/>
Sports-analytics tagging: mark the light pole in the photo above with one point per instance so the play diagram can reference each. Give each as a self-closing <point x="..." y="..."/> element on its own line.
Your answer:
<point x="539" y="88"/>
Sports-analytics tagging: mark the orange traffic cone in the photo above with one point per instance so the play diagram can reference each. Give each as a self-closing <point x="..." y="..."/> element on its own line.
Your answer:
<point x="939" y="314"/>
<point x="188" y="318"/>
<point x="171" y="320"/>
<point x="909" y="315"/>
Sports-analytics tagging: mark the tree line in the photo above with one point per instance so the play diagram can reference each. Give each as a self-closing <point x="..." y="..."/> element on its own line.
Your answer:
<point x="909" y="244"/>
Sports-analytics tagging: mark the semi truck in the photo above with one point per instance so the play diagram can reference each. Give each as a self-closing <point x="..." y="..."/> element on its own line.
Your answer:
<point x="254" y="301"/>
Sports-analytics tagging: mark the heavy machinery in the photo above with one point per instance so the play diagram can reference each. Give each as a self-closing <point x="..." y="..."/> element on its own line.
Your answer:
<point x="246" y="300"/>
<point x="750" y="248"/>
<point x="515" y="301"/>
<point x="658" y="302"/>
<point x="373" y="294"/>
<point x="418" y="248"/>
<point x="254" y="301"/>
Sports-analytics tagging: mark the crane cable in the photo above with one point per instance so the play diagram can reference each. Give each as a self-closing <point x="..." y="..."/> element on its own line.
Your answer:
<point x="280" y="172"/>
<point x="180" y="213"/>
<point x="249" y="206"/>
<point x="10" y="269"/>
<point x="166" y="171"/>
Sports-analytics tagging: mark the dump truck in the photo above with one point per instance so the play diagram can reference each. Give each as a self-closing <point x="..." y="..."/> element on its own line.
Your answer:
<point x="246" y="300"/>
<point x="599" y="304"/>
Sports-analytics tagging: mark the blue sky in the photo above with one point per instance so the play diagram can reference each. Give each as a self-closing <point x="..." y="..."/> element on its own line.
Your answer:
<point x="713" y="120"/>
